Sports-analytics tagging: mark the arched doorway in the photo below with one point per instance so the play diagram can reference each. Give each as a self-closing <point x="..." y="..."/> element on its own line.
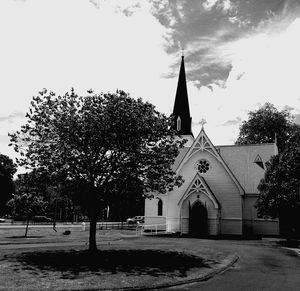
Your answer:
<point x="198" y="220"/>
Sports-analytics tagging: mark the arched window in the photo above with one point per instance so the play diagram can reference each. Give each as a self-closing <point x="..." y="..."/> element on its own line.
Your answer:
<point x="178" y="123"/>
<point x="159" y="207"/>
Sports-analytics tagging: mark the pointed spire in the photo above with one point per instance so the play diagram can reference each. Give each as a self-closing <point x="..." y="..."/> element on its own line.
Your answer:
<point x="181" y="111"/>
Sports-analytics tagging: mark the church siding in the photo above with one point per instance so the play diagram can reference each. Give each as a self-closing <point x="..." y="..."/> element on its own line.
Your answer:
<point x="266" y="226"/>
<point x="151" y="211"/>
<point x="231" y="226"/>
<point x="173" y="210"/>
<point x="237" y="213"/>
<point x="222" y="186"/>
<point x="249" y="211"/>
<point x="240" y="160"/>
<point x="252" y="224"/>
<point x="227" y="193"/>
<point x="219" y="181"/>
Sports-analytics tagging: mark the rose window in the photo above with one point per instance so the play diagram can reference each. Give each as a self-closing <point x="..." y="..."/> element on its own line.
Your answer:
<point x="203" y="166"/>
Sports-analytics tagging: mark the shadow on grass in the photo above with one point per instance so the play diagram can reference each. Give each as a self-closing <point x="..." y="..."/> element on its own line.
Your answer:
<point x="290" y="243"/>
<point x="28" y="236"/>
<point x="72" y="264"/>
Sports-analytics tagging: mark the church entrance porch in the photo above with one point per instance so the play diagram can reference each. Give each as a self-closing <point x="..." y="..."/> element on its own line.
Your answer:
<point x="198" y="220"/>
<point x="199" y="215"/>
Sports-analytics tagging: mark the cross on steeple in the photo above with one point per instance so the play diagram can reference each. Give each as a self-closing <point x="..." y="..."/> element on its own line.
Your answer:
<point x="202" y="122"/>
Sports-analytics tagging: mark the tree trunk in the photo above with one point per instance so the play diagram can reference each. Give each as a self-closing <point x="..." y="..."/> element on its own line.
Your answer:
<point x="92" y="238"/>
<point x="54" y="220"/>
<point x="26" y="230"/>
<point x="93" y="209"/>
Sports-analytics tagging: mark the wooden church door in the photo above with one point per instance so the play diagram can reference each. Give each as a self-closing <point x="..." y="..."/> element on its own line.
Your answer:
<point x="198" y="220"/>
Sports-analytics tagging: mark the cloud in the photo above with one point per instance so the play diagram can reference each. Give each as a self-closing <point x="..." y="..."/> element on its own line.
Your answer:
<point x="209" y="4"/>
<point x="288" y="108"/>
<point x="96" y="3"/>
<point x="240" y="75"/>
<point x="237" y="53"/>
<point x="232" y="122"/>
<point x="206" y="29"/>
<point x="297" y="118"/>
<point x="223" y="5"/>
<point x="12" y="116"/>
<point x="130" y="10"/>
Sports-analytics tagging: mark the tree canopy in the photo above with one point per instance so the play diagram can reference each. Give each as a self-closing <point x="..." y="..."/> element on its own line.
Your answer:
<point x="7" y="171"/>
<point x="99" y="142"/>
<point x="264" y="124"/>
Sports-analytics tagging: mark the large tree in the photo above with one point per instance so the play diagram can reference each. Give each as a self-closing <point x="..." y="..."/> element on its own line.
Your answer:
<point x="280" y="189"/>
<point x="96" y="141"/>
<point x="7" y="171"/>
<point x="264" y="124"/>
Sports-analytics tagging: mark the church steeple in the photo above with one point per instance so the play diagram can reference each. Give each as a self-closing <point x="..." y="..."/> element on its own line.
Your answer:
<point x="181" y="111"/>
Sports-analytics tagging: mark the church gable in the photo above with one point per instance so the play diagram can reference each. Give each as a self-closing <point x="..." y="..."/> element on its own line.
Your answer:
<point x="202" y="144"/>
<point x="198" y="185"/>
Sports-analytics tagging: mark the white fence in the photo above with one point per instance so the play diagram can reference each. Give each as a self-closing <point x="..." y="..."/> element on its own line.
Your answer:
<point x="151" y="229"/>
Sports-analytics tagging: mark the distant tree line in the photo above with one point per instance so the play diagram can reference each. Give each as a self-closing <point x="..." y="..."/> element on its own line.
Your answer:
<point x="7" y="186"/>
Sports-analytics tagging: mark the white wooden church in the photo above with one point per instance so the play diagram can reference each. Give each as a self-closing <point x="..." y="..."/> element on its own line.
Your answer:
<point x="220" y="183"/>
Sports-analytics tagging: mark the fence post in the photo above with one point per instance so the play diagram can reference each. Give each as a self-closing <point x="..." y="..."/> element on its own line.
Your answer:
<point x="83" y="226"/>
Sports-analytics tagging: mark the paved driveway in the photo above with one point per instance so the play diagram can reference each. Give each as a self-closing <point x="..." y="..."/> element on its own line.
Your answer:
<point x="263" y="265"/>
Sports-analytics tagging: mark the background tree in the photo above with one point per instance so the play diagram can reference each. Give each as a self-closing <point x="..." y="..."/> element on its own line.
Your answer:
<point x="280" y="189"/>
<point x="39" y="182"/>
<point x="263" y="124"/>
<point x="97" y="140"/>
<point x="129" y="202"/>
<point x="27" y="206"/>
<point x="7" y="171"/>
<point x="35" y="182"/>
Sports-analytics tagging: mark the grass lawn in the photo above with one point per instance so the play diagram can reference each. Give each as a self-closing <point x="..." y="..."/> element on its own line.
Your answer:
<point x="51" y="260"/>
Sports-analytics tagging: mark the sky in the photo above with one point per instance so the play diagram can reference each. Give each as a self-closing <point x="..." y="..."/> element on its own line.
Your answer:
<point x="239" y="54"/>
